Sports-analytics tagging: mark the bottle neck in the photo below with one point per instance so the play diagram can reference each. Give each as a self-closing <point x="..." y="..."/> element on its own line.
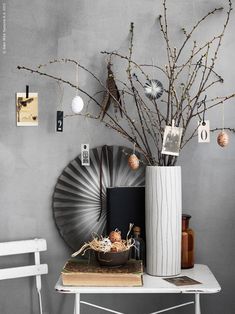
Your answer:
<point x="185" y="224"/>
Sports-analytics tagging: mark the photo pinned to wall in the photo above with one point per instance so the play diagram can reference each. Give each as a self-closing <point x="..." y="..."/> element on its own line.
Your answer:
<point x="27" y="109"/>
<point x="171" y="140"/>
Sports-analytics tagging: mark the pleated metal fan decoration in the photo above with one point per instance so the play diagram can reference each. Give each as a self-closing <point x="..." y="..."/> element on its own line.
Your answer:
<point x="79" y="204"/>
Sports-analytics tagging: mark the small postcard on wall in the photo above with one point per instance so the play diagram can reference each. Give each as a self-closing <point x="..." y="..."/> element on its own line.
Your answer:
<point x="182" y="281"/>
<point x="27" y="109"/>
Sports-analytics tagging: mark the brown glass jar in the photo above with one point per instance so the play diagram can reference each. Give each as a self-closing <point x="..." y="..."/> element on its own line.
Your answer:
<point x="187" y="249"/>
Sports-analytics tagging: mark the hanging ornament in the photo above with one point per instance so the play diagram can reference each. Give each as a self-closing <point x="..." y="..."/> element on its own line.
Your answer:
<point x="172" y="139"/>
<point x="111" y="94"/>
<point x="133" y="160"/>
<point x="77" y="102"/>
<point x="60" y="113"/>
<point x="223" y="139"/>
<point x="153" y="89"/>
<point x="204" y="131"/>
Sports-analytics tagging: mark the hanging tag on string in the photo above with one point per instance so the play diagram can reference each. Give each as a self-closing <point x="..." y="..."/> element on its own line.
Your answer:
<point x="172" y="140"/>
<point x="59" y="121"/>
<point x="59" y="112"/>
<point x="204" y="126"/>
<point x="204" y="131"/>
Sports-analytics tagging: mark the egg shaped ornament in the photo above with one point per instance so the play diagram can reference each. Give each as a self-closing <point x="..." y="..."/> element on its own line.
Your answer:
<point x="115" y="236"/>
<point x="133" y="162"/>
<point x="223" y="139"/>
<point x="77" y="104"/>
<point x="105" y="244"/>
<point x="153" y="89"/>
<point x="117" y="247"/>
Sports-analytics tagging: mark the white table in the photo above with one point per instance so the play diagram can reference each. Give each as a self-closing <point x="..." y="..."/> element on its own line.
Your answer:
<point x="152" y="284"/>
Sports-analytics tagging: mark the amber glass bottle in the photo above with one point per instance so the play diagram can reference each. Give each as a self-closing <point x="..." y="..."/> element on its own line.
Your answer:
<point x="187" y="249"/>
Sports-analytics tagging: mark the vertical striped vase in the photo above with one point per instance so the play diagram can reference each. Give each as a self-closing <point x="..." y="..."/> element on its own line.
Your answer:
<point x="163" y="197"/>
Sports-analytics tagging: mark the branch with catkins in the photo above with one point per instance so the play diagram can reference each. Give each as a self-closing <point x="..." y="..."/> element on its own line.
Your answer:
<point x="189" y="76"/>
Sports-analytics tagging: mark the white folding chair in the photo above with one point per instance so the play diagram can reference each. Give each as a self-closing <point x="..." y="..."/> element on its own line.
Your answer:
<point x="21" y="247"/>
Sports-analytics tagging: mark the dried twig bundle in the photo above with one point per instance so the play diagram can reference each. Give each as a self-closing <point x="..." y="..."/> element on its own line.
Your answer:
<point x="189" y="76"/>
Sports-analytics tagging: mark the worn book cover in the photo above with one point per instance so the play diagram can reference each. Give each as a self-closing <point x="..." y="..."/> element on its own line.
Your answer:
<point x="88" y="273"/>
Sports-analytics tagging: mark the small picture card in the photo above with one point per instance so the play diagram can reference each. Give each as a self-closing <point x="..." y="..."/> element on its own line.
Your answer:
<point x="204" y="131"/>
<point x="27" y="109"/>
<point x="171" y="140"/>
<point x="182" y="281"/>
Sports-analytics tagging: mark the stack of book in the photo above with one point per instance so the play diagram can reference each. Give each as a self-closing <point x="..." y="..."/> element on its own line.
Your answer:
<point x="88" y="273"/>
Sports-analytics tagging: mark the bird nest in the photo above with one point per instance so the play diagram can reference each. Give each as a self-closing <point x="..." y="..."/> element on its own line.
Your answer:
<point x="112" y="243"/>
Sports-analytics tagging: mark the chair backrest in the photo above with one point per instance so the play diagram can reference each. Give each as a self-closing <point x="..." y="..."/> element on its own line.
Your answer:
<point x="22" y="247"/>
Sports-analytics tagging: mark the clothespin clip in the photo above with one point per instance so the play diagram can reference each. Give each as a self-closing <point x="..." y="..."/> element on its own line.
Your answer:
<point x="27" y="91"/>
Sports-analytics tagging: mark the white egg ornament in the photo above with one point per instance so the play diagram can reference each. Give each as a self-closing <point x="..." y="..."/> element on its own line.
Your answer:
<point x="77" y="104"/>
<point x="223" y="139"/>
<point x="133" y="162"/>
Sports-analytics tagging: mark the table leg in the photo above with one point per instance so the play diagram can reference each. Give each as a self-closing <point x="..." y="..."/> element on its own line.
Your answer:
<point x="197" y="304"/>
<point x="77" y="303"/>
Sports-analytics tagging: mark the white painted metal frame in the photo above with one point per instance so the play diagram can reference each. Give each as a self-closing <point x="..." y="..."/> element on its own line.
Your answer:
<point x="22" y="247"/>
<point x="152" y="284"/>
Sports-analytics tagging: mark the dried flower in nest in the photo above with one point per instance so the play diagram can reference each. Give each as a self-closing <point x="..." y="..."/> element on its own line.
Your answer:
<point x="223" y="139"/>
<point x="153" y="89"/>
<point x="133" y="162"/>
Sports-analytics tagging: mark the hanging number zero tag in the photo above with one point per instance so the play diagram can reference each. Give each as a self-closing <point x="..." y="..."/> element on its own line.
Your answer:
<point x="204" y="131"/>
<point x="59" y="121"/>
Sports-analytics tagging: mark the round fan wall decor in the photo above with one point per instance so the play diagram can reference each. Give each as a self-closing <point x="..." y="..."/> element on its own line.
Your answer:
<point x="79" y="199"/>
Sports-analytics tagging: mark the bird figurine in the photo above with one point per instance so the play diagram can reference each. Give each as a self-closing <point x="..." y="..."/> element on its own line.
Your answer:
<point x="111" y="95"/>
<point x="223" y="139"/>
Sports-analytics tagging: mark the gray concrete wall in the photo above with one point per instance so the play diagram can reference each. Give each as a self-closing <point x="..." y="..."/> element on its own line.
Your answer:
<point x="31" y="159"/>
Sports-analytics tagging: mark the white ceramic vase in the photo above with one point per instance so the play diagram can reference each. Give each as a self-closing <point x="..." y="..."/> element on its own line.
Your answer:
<point x="163" y="197"/>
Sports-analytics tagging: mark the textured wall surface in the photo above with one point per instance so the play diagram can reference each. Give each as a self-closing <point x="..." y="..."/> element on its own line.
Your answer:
<point x="31" y="158"/>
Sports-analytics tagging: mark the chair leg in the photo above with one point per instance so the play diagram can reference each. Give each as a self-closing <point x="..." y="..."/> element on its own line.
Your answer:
<point x="197" y="304"/>
<point x="77" y="303"/>
<point x="40" y="301"/>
